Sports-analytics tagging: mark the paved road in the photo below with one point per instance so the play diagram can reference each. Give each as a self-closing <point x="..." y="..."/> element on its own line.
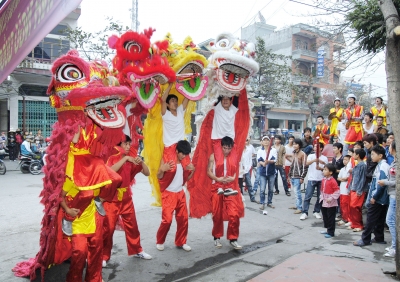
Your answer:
<point x="267" y="239"/>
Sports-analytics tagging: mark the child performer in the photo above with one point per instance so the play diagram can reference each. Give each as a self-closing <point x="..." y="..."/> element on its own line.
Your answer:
<point x="378" y="203"/>
<point x="344" y="191"/>
<point x="122" y="204"/>
<point x="330" y="193"/>
<point x="358" y="189"/>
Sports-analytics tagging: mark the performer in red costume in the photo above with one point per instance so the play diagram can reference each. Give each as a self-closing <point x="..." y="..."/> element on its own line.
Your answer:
<point x="354" y="115"/>
<point x="122" y="204"/>
<point x="222" y="169"/>
<point x="172" y="176"/>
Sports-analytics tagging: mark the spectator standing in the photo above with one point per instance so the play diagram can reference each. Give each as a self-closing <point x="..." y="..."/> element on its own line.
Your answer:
<point x="315" y="176"/>
<point x="288" y="159"/>
<point x="247" y="163"/>
<point x="281" y="152"/>
<point x="297" y="173"/>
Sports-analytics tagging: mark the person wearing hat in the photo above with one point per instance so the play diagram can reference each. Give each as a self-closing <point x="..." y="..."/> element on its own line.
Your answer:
<point x="335" y="114"/>
<point x="354" y="115"/>
<point x="379" y="110"/>
<point x="26" y="146"/>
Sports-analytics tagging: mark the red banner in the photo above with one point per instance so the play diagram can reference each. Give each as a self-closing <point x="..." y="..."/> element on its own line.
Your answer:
<point x="23" y="24"/>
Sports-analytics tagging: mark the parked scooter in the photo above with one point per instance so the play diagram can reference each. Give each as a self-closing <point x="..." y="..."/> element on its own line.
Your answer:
<point x="31" y="164"/>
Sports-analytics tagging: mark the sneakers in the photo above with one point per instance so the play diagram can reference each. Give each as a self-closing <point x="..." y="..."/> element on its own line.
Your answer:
<point x="187" y="248"/>
<point x="220" y="191"/>
<point x="262" y="207"/>
<point x="217" y="243"/>
<point x="357" y="229"/>
<point x="349" y="228"/>
<point x="337" y="219"/>
<point x="303" y="216"/>
<point x="328" y="236"/>
<point x="297" y="212"/>
<point x="230" y="192"/>
<point x="390" y="254"/>
<point x="104" y="264"/>
<point x="143" y="255"/>
<point x="348" y="224"/>
<point x="271" y="206"/>
<point x="66" y="227"/>
<point x="388" y="249"/>
<point x="340" y="223"/>
<point x="99" y="206"/>
<point x="317" y="215"/>
<point x="235" y="245"/>
<point x="160" y="247"/>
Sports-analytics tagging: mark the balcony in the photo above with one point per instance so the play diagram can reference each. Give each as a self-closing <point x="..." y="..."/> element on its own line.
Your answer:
<point x="34" y="63"/>
<point x="340" y="65"/>
<point x="304" y="55"/>
<point x="306" y="80"/>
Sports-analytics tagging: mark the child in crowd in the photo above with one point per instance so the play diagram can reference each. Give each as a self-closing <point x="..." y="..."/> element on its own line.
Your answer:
<point x="358" y="189"/>
<point x="378" y="201"/>
<point x="391" y="214"/>
<point x="330" y="193"/>
<point x="307" y="141"/>
<point x="344" y="191"/>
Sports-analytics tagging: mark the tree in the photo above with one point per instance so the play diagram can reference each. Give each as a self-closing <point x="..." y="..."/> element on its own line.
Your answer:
<point x="273" y="81"/>
<point x="94" y="45"/>
<point x="376" y="26"/>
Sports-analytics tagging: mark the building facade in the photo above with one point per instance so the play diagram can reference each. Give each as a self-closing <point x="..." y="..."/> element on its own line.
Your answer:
<point x="301" y="42"/>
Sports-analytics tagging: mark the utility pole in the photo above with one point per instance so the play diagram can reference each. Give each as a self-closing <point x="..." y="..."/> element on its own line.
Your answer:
<point x="23" y="114"/>
<point x="134" y="15"/>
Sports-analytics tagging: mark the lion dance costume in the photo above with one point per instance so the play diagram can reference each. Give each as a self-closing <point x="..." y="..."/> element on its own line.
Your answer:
<point x="230" y="66"/>
<point x="191" y="84"/>
<point x="87" y="100"/>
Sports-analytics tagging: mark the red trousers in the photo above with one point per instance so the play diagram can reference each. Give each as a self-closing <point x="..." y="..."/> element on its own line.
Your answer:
<point x="219" y="202"/>
<point x="287" y="168"/>
<point x="356" y="204"/>
<point x="90" y="249"/>
<point x="83" y="198"/>
<point x="345" y="207"/>
<point x="126" y="210"/>
<point x="173" y="202"/>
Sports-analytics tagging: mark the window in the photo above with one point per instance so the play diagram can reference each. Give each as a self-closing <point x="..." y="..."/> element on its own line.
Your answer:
<point x="298" y="44"/>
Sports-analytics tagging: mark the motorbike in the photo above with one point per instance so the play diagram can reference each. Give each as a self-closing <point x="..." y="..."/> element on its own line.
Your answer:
<point x="3" y="168"/>
<point x="31" y="164"/>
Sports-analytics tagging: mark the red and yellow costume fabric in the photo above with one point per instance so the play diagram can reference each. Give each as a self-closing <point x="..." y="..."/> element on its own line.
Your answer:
<point x="335" y="120"/>
<point x="325" y="129"/>
<point x="226" y="208"/>
<point x="355" y="130"/>
<point x="122" y="206"/>
<point x="78" y="90"/>
<point x="381" y="112"/>
<point x="86" y="239"/>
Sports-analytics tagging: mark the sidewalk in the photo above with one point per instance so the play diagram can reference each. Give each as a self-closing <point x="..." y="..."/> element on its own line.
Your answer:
<point x="315" y="267"/>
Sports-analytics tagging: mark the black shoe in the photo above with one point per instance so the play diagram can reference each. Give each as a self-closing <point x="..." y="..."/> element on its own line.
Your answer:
<point x="230" y="192"/>
<point x="99" y="206"/>
<point x="66" y="227"/>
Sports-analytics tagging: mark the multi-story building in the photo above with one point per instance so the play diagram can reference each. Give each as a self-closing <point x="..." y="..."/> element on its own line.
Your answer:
<point x="302" y="42"/>
<point x="23" y="100"/>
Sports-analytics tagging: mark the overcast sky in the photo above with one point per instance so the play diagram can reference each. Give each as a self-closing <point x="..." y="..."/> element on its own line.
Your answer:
<point x="207" y="18"/>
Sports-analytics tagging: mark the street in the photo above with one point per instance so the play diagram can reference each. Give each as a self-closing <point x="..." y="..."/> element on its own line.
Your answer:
<point x="267" y="240"/>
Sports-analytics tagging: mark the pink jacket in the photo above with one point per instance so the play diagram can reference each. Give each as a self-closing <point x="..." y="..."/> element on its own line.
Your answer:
<point x="330" y="192"/>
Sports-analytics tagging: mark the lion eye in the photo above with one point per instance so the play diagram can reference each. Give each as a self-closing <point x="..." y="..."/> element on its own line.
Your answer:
<point x="69" y="73"/>
<point x="223" y="43"/>
<point x="132" y="47"/>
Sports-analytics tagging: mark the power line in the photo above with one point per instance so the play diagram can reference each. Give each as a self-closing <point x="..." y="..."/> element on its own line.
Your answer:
<point x="316" y="7"/>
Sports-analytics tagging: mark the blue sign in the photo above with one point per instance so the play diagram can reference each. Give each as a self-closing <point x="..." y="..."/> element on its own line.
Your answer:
<point x="320" y="62"/>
